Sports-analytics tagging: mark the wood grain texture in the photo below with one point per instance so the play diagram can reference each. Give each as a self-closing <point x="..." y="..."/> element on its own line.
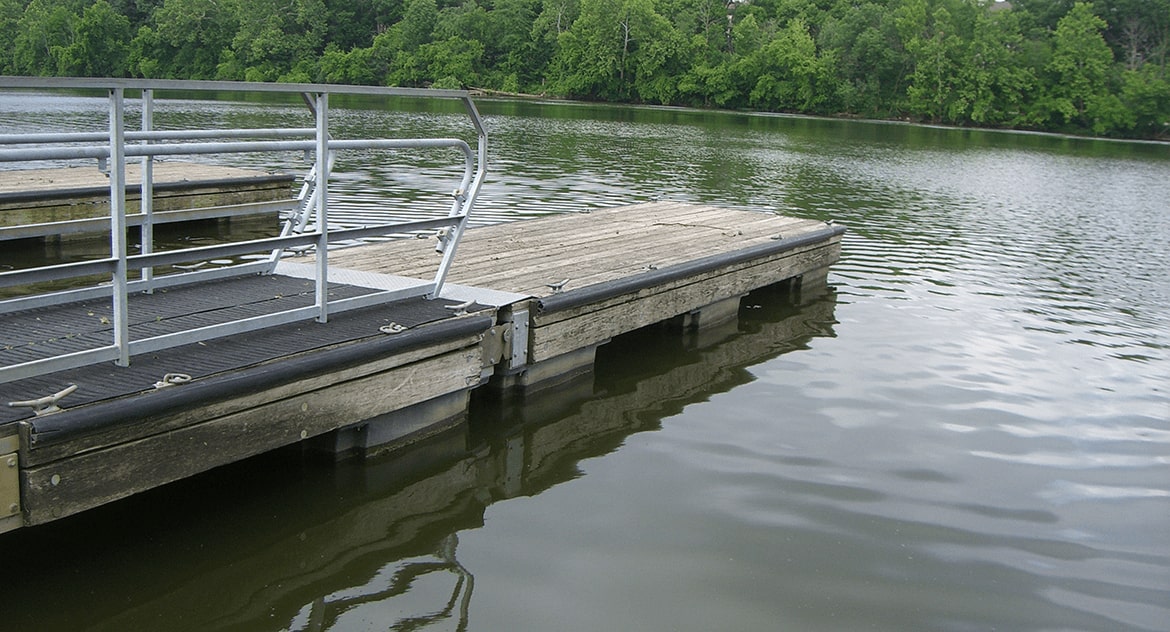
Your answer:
<point x="595" y="323"/>
<point x="585" y="248"/>
<point x="66" y="487"/>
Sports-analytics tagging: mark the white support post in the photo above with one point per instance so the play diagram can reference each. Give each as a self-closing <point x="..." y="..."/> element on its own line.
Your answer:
<point x="322" y="188"/>
<point x="118" y="225"/>
<point x="146" y="234"/>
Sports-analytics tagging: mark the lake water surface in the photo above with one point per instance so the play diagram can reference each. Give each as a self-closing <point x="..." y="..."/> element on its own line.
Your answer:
<point x="969" y="430"/>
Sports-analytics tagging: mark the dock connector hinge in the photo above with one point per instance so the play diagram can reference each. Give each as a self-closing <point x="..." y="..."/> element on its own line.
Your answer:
<point x="496" y="345"/>
<point x="505" y="346"/>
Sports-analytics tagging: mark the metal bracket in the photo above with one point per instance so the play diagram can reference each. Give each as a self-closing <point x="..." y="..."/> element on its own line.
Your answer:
<point x="519" y="351"/>
<point x="10" y="508"/>
<point x="506" y="345"/>
<point x="496" y="343"/>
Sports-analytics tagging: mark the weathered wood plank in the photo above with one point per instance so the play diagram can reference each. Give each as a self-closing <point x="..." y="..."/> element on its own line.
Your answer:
<point x="137" y="429"/>
<point x="66" y="487"/>
<point x="596" y="324"/>
<point x="588" y="248"/>
<point x="56" y="179"/>
<point x="615" y="260"/>
<point x="819" y="255"/>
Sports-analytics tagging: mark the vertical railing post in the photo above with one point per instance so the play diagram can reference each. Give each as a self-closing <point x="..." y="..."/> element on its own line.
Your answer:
<point x="146" y="232"/>
<point x="463" y="202"/>
<point x="118" y="225"/>
<point x="322" y="190"/>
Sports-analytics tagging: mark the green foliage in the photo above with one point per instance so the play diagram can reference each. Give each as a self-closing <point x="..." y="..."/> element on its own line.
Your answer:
<point x="1146" y="95"/>
<point x="1078" y="90"/>
<point x="790" y="74"/>
<point x="43" y="31"/>
<point x="1043" y="64"/>
<point x="872" y="64"/>
<point x="187" y="39"/>
<point x="99" y="47"/>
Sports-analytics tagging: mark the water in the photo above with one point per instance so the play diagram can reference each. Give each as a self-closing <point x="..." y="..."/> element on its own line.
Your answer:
<point x="970" y="430"/>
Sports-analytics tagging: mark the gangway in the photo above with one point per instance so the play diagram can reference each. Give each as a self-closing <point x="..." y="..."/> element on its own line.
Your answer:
<point x="123" y="273"/>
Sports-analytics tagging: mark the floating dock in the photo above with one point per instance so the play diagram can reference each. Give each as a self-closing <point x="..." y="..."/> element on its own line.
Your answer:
<point x="128" y="370"/>
<point x="374" y="378"/>
<point x="70" y="201"/>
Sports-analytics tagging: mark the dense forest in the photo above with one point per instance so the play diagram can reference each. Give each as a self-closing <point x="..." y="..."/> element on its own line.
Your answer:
<point x="1055" y="65"/>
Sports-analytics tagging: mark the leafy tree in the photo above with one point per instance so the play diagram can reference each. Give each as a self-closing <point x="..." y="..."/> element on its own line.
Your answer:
<point x="99" y="47"/>
<point x="44" y="29"/>
<point x="1146" y="94"/>
<point x="351" y="23"/>
<point x="359" y="66"/>
<point x="994" y="81"/>
<point x="1044" y="14"/>
<point x="417" y="25"/>
<point x="790" y="73"/>
<point x="1138" y="31"/>
<point x="872" y="63"/>
<point x="937" y="54"/>
<point x="274" y="35"/>
<point x="1078" y="90"/>
<point x="10" y="12"/>
<point x="189" y="37"/>
<point x="592" y="53"/>
<point x="509" y="48"/>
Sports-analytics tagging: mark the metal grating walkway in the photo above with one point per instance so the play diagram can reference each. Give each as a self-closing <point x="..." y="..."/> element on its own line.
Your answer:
<point x="76" y="326"/>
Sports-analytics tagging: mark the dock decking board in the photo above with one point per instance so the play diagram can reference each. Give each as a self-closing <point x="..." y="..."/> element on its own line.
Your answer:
<point x="54" y="180"/>
<point x="586" y="248"/>
<point x="610" y="245"/>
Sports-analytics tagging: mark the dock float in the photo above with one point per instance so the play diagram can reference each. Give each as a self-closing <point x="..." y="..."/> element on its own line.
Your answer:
<point x="124" y="373"/>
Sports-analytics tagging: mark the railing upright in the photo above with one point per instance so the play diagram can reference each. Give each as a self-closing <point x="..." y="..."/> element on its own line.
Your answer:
<point x="322" y="189"/>
<point x="118" y="225"/>
<point x="464" y="200"/>
<point x="146" y="230"/>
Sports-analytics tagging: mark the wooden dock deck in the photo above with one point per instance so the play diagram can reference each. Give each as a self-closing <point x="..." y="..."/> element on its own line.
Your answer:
<point x="595" y="275"/>
<point x="64" y="201"/>
<point x="545" y="294"/>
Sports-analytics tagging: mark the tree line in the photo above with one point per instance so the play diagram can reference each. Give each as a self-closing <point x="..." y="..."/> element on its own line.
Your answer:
<point x="1054" y="65"/>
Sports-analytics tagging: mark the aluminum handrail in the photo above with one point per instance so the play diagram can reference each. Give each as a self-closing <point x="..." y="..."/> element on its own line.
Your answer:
<point x="116" y="149"/>
<point x="178" y="134"/>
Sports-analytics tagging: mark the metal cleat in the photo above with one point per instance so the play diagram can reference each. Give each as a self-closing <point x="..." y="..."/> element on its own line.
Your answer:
<point x="46" y="404"/>
<point x="461" y="309"/>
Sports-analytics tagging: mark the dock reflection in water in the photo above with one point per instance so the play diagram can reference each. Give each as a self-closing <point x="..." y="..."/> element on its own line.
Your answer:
<point x="287" y="542"/>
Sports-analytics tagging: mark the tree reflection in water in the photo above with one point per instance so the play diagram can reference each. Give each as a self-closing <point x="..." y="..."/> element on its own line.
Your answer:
<point x="395" y="583"/>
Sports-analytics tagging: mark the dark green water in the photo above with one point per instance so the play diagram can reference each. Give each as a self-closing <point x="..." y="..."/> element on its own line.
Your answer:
<point x="970" y="430"/>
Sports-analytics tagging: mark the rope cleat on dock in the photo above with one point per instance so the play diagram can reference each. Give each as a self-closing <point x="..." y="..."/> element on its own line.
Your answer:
<point x="47" y="404"/>
<point x="172" y="379"/>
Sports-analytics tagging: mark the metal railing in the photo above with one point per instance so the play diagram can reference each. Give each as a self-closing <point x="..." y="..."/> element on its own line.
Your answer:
<point x="305" y="228"/>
